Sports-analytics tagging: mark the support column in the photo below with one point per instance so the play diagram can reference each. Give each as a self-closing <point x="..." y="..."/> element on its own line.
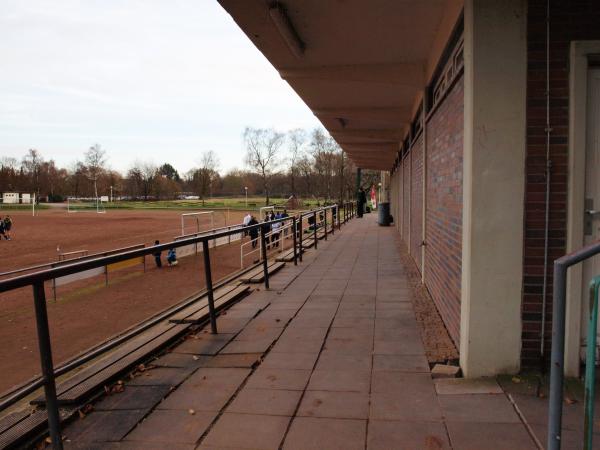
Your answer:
<point x="495" y="53"/>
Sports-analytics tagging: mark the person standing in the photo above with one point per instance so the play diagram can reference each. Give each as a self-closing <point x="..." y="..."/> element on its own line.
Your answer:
<point x="362" y="199"/>
<point x="157" y="256"/>
<point x="7" y="227"/>
<point x="253" y="232"/>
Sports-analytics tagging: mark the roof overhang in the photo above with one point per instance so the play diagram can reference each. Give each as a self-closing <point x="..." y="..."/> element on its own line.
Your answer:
<point x="361" y="67"/>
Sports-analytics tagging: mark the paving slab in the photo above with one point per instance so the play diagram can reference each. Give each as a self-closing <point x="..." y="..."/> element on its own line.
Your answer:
<point x="173" y="359"/>
<point x="478" y="408"/>
<point x="276" y="360"/>
<point x="278" y="402"/>
<point x="248" y="346"/>
<point x="246" y="431"/>
<point x="460" y="386"/>
<point x="266" y="378"/>
<point x="338" y="405"/>
<point x="246" y="360"/>
<point x="492" y="436"/>
<point x="166" y="376"/>
<point x="133" y="397"/>
<point x="308" y="433"/>
<point x="204" y="344"/>
<point x="340" y="380"/>
<point x="387" y="435"/>
<point x="332" y="360"/>
<point x="402" y="363"/>
<point x="175" y="426"/>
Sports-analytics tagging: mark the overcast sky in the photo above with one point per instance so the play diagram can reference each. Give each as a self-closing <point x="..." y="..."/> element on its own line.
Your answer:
<point x="150" y="80"/>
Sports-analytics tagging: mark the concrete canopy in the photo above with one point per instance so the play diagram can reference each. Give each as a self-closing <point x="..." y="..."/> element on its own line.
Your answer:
<point x="361" y="67"/>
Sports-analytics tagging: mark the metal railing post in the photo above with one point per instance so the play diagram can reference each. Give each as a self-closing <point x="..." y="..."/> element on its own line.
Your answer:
<point x="43" y="331"/>
<point x="300" y="236"/>
<point x="263" y="249"/>
<point x="315" y="230"/>
<point x="294" y="240"/>
<point x="209" y="287"/>
<point x="325" y="222"/>
<point x="333" y="220"/>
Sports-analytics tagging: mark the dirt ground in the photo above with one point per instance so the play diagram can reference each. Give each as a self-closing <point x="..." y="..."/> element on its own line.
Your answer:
<point x="439" y="347"/>
<point x="86" y="312"/>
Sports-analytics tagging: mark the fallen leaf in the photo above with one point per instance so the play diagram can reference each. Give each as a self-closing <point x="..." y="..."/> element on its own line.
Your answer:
<point x="191" y="411"/>
<point x="570" y="401"/>
<point x="195" y="358"/>
<point x="516" y="380"/>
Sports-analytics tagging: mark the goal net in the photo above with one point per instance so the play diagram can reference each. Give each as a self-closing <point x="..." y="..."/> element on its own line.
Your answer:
<point x="265" y="210"/>
<point x="196" y="222"/>
<point x="95" y="205"/>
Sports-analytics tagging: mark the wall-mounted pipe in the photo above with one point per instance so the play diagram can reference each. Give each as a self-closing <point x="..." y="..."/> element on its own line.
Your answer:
<point x="548" y="175"/>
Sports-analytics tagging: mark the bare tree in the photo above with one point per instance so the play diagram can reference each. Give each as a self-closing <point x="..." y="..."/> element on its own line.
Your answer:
<point x="32" y="164"/>
<point x="203" y="177"/>
<point x="262" y="147"/>
<point x="296" y="139"/>
<point x="94" y="159"/>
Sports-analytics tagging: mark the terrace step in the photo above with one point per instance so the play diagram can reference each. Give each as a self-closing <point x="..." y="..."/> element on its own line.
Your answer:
<point x="94" y="377"/>
<point x="26" y="426"/>
<point x="257" y="275"/>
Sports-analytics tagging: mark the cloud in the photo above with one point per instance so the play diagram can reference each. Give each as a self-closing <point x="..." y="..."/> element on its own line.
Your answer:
<point x="152" y="79"/>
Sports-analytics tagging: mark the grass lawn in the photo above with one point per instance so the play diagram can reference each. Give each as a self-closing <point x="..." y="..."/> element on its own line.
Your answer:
<point x="216" y="202"/>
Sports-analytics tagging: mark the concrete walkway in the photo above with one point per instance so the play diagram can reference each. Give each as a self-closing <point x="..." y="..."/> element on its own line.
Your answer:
<point x="330" y="358"/>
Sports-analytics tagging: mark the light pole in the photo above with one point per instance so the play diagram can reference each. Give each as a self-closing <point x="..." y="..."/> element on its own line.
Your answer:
<point x="246" y="189"/>
<point x="379" y="199"/>
<point x="111" y="194"/>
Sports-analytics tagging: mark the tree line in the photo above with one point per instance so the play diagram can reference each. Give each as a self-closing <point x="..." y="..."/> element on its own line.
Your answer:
<point x="303" y="163"/>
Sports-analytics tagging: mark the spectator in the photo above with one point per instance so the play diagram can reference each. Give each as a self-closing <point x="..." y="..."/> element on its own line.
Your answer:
<point x="7" y="227"/>
<point x="253" y="231"/>
<point x="172" y="257"/>
<point x="157" y="256"/>
<point x="245" y="222"/>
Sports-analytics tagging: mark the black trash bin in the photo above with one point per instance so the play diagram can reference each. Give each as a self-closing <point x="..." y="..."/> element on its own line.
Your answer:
<point x="384" y="219"/>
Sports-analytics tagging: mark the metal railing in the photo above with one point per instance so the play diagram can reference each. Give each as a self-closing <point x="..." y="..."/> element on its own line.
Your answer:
<point x="37" y="279"/>
<point x="561" y="266"/>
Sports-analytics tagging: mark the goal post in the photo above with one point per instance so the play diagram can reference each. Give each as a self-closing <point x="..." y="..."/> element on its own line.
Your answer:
<point x="75" y="204"/>
<point x="263" y="211"/>
<point x="196" y="216"/>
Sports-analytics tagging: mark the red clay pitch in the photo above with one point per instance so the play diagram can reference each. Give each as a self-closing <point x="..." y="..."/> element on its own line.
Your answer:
<point x="86" y="312"/>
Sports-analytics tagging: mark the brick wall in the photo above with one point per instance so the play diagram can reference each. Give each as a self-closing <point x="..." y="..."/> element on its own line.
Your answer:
<point x="406" y="195"/>
<point x="416" y="201"/>
<point x="443" y="252"/>
<point x="575" y="20"/>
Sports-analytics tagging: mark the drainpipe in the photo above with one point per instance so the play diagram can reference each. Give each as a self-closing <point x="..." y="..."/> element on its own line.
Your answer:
<point x="548" y="174"/>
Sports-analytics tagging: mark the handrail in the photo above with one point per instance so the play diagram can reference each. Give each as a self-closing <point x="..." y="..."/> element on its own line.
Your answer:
<point x="559" y="295"/>
<point x="37" y="279"/>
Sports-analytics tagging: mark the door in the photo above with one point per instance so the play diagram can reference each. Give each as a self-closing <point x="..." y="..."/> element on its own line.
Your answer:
<point x="591" y="232"/>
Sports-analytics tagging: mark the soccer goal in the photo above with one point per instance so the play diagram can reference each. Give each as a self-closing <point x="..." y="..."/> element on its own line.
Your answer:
<point x="11" y="201"/>
<point x="264" y="210"/>
<point x="195" y="217"/>
<point x="75" y="205"/>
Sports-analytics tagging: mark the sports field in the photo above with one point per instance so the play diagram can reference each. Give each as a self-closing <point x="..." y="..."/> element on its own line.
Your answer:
<point x="86" y="311"/>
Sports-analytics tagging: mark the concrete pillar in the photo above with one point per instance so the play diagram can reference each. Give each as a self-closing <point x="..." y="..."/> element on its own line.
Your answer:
<point x="493" y="186"/>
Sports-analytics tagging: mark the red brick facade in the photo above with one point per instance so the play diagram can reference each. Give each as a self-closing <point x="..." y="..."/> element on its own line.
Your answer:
<point x="576" y="20"/>
<point x="443" y="251"/>
<point x="416" y="201"/>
